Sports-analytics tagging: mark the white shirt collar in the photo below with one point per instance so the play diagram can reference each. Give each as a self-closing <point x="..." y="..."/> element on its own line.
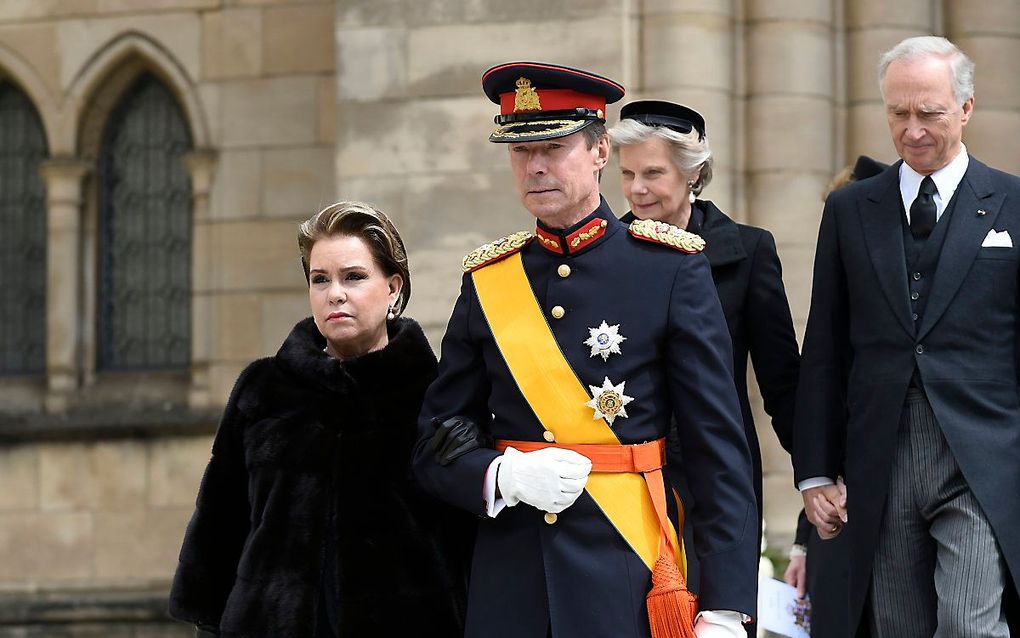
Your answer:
<point x="946" y="179"/>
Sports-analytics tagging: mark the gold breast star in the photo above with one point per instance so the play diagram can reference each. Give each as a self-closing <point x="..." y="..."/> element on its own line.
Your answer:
<point x="605" y="340"/>
<point x="609" y="400"/>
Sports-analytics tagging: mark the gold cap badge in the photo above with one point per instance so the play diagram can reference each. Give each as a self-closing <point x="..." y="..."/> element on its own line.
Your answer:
<point x="526" y="98"/>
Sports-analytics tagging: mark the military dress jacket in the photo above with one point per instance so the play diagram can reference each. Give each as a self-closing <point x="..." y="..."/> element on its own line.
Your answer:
<point x="577" y="576"/>
<point x="863" y="344"/>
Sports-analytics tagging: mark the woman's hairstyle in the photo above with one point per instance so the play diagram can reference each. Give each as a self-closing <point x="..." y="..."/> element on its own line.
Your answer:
<point x="372" y="226"/>
<point x="690" y="155"/>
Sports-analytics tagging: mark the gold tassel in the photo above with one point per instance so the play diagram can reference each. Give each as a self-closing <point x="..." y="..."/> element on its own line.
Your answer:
<point x="672" y="608"/>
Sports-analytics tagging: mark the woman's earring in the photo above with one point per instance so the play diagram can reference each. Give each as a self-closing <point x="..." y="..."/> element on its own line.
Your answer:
<point x="391" y="315"/>
<point x="691" y="196"/>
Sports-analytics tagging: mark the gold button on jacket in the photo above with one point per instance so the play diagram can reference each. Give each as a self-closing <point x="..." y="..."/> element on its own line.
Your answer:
<point x="558" y="312"/>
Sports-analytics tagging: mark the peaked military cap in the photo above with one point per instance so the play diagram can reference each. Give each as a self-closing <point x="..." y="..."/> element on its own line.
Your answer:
<point x="539" y="101"/>
<point x="659" y="113"/>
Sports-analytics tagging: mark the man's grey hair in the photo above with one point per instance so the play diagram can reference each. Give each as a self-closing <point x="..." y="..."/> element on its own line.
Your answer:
<point x="690" y="155"/>
<point x="961" y="68"/>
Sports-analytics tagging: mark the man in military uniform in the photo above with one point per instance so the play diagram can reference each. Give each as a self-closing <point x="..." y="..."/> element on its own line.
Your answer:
<point x="567" y="355"/>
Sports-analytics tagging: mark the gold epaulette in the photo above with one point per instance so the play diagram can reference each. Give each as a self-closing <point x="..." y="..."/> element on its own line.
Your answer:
<point x="667" y="234"/>
<point x="496" y="250"/>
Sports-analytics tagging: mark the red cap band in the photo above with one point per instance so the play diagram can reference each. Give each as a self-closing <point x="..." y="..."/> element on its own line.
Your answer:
<point x="554" y="100"/>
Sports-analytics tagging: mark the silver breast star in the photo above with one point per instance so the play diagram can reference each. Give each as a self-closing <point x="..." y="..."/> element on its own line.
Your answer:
<point x="605" y="340"/>
<point x="609" y="400"/>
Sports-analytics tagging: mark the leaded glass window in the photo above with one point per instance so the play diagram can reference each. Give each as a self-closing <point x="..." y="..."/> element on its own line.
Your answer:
<point x="145" y="233"/>
<point x="22" y="235"/>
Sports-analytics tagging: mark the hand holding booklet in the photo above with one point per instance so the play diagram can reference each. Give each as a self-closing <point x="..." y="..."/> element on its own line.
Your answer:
<point x="780" y="611"/>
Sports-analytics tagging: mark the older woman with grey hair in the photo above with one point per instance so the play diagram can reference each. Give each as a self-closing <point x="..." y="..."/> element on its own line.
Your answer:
<point x="665" y="163"/>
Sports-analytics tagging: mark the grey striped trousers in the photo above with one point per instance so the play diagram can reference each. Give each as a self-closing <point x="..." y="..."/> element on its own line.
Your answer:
<point x="938" y="572"/>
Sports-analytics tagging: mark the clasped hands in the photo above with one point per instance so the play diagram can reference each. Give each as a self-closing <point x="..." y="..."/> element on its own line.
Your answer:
<point x="826" y="508"/>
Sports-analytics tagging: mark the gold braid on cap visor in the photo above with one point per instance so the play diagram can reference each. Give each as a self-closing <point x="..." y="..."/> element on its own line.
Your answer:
<point x="551" y="126"/>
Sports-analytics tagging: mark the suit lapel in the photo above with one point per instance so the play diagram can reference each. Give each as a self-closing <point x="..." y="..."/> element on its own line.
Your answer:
<point x="963" y="240"/>
<point x="883" y="236"/>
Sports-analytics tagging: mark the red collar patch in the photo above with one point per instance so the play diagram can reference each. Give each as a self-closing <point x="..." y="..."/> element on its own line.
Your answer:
<point x="576" y="240"/>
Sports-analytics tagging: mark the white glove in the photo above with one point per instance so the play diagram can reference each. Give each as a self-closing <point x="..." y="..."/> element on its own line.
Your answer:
<point x="720" y="624"/>
<point x="549" y="479"/>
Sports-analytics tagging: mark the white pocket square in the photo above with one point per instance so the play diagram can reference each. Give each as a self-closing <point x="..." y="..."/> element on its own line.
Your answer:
<point x="997" y="239"/>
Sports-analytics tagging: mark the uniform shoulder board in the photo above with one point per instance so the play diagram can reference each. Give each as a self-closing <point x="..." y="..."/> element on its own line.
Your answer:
<point x="496" y="250"/>
<point x="667" y="234"/>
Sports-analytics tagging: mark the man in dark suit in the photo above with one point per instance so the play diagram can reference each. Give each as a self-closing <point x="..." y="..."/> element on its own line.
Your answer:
<point x="569" y="347"/>
<point x="908" y="384"/>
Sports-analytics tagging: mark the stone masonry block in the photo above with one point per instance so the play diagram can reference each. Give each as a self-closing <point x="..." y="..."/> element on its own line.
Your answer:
<point x="427" y="136"/>
<point x="179" y="33"/>
<point x="700" y="52"/>
<point x="372" y="63"/>
<point x="19" y="477"/>
<point x="435" y="12"/>
<point x="450" y="59"/>
<point x="279" y="111"/>
<point x="995" y="16"/>
<point x="175" y="470"/>
<point x="231" y="43"/>
<point x="138" y="6"/>
<point x="36" y="43"/>
<point x="235" y="191"/>
<point x="222" y="376"/>
<point x="299" y="38"/>
<point x="983" y="137"/>
<point x="790" y="58"/>
<point x="658" y="7"/>
<point x="868" y="133"/>
<point x="916" y="15"/>
<point x="280" y="311"/>
<point x="810" y="149"/>
<point x="995" y="83"/>
<point x="20" y="10"/>
<point x="237" y="326"/>
<point x="327" y="110"/>
<point x="45" y="546"/>
<point x="107" y="475"/>
<point x="864" y="48"/>
<point x="801" y="11"/>
<point x="789" y="205"/>
<point x="297" y="182"/>
<point x="254" y="255"/>
<point x="140" y="544"/>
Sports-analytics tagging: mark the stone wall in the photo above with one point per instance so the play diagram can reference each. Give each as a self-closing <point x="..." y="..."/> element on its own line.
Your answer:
<point x="98" y="472"/>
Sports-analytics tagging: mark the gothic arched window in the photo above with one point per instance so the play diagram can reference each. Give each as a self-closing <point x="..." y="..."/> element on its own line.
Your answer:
<point x="22" y="235"/>
<point x="145" y="233"/>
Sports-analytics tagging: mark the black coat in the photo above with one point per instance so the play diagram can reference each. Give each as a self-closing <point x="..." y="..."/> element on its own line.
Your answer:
<point x="307" y="440"/>
<point x="749" y="280"/>
<point x="861" y="348"/>
<point x="748" y="277"/>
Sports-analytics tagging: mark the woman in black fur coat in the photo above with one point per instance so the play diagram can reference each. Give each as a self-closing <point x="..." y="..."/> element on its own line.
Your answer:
<point x="307" y="522"/>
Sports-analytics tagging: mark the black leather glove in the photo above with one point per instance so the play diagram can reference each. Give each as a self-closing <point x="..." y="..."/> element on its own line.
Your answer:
<point x="206" y="631"/>
<point x="455" y="437"/>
